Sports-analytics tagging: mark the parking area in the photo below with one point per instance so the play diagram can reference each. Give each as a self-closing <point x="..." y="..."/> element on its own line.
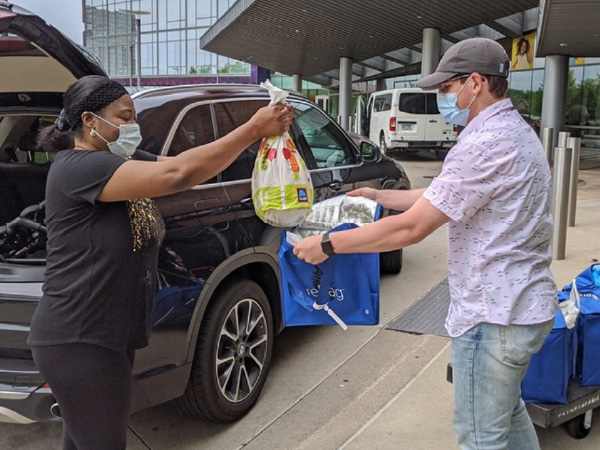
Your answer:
<point x="367" y="388"/>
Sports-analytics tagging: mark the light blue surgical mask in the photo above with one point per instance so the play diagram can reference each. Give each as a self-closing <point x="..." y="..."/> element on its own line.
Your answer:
<point x="127" y="142"/>
<point x="447" y="104"/>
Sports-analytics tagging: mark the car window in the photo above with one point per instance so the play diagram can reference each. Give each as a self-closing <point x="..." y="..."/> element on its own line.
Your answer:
<point x="327" y="144"/>
<point x="195" y="129"/>
<point x="432" y="104"/>
<point x="382" y="103"/>
<point x="412" y="103"/>
<point x="229" y="116"/>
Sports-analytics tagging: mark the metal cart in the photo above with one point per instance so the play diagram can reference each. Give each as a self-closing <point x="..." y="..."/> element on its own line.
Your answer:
<point x="576" y="414"/>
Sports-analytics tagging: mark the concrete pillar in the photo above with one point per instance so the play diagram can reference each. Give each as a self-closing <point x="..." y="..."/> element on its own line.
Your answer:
<point x="431" y="50"/>
<point x="297" y="82"/>
<point x="381" y="85"/>
<point x="345" y="92"/>
<point x="555" y="94"/>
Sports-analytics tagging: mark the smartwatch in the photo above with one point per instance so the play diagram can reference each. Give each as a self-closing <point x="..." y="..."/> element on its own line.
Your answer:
<point x="326" y="245"/>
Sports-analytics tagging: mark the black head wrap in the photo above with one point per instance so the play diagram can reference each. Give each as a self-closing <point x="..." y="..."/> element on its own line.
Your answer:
<point x="100" y="97"/>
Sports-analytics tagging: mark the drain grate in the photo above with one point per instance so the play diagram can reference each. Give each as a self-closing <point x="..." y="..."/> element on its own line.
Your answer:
<point x="427" y="315"/>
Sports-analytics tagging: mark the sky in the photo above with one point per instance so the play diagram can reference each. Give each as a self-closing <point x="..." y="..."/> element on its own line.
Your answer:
<point x="65" y="15"/>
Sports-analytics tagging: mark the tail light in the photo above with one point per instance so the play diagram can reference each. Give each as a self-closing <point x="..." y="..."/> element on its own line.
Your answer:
<point x="455" y="128"/>
<point x="392" y="124"/>
<point x="6" y="14"/>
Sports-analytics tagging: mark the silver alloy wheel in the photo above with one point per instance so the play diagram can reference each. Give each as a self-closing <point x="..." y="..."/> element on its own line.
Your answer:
<point x="241" y="350"/>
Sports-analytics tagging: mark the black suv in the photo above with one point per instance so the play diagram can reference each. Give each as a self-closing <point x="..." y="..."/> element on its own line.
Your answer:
<point x="217" y="308"/>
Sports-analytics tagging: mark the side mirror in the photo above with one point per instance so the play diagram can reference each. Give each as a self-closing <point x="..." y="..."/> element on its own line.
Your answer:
<point x="368" y="151"/>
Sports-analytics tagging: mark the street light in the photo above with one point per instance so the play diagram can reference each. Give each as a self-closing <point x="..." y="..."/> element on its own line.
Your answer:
<point x="138" y="29"/>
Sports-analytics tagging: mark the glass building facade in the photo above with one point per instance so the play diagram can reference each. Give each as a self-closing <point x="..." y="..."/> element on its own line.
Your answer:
<point x="170" y="33"/>
<point x="526" y="90"/>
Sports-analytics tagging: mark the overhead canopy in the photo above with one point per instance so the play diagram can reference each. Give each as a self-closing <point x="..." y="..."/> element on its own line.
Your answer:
<point x="569" y="27"/>
<point x="308" y="37"/>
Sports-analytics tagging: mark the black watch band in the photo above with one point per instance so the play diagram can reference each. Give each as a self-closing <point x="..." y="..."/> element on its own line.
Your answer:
<point x="326" y="245"/>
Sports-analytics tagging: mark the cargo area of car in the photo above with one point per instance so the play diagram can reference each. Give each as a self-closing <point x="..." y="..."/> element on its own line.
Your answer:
<point x="23" y="170"/>
<point x="23" y="173"/>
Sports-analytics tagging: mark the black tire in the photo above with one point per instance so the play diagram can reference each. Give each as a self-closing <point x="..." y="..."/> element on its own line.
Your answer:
<point x="225" y="391"/>
<point x="390" y="262"/>
<point x="382" y="145"/>
<point x="576" y="427"/>
<point x="440" y="155"/>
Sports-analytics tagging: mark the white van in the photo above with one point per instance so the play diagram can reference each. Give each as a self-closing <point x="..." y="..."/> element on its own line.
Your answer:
<point x="408" y="120"/>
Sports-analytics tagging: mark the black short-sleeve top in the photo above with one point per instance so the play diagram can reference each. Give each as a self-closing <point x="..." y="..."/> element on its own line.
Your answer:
<point x="101" y="257"/>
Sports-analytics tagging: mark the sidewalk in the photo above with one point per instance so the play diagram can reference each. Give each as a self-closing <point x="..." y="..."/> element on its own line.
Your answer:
<point x="419" y="416"/>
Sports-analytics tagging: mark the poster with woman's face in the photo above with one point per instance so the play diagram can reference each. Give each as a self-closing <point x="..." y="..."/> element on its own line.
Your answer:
<point x="522" y="52"/>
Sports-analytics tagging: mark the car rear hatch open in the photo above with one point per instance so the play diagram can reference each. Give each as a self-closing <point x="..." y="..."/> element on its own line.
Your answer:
<point x="37" y="62"/>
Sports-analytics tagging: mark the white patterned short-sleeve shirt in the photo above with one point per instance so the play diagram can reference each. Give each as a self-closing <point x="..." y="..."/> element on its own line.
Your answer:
<point x="495" y="188"/>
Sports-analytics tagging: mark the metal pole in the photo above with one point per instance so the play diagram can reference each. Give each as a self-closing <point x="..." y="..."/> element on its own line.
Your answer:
<point x="430" y="51"/>
<point x="138" y="26"/>
<point x="563" y="137"/>
<point x="345" y="91"/>
<point x="575" y="145"/>
<point x="547" y="139"/>
<point x="560" y="195"/>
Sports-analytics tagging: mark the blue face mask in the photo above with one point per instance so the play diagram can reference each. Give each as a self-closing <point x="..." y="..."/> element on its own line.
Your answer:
<point x="128" y="140"/>
<point x="448" y="106"/>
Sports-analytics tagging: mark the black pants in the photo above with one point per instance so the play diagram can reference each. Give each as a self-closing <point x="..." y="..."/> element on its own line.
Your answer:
<point x="92" y="386"/>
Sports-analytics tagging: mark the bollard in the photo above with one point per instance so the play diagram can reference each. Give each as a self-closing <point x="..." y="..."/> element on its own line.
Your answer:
<point x="547" y="137"/>
<point x="575" y="144"/>
<point x="560" y="196"/>
<point x="563" y="137"/>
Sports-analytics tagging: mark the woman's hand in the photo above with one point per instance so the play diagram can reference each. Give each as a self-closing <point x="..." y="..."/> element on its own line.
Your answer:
<point x="271" y="121"/>
<point x="367" y="192"/>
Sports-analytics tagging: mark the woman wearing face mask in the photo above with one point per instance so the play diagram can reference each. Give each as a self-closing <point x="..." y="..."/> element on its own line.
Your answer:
<point x="103" y="239"/>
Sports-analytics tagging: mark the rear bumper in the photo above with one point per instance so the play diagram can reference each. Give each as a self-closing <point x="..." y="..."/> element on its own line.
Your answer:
<point x="422" y="145"/>
<point x="26" y="406"/>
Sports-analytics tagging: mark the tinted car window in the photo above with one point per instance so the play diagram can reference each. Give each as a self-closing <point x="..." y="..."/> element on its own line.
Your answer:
<point x="412" y="103"/>
<point x="195" y="129"/>
<point x="432" y="104"/>
<point x="383" y="103"/>
<point x="326" y="142"/>
<point x="229" y="116"/>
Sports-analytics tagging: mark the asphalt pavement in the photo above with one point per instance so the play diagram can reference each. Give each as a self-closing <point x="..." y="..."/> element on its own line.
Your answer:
<point x="366" y="388"/>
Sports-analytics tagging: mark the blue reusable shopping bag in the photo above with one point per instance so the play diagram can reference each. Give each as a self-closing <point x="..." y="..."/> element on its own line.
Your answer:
<point x="348" y="284"/>
<point x="587" y="368"/>
<point x="549" y="371"/>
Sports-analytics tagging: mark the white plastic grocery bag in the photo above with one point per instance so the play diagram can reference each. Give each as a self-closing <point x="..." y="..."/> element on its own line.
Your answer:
<point x="570" y="308"/>
<point x="282" y="190"/>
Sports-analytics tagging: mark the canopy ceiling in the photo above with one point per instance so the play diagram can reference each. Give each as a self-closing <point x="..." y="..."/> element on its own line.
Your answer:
<point x="569" y="27"/>
<point x="308" y="37"/>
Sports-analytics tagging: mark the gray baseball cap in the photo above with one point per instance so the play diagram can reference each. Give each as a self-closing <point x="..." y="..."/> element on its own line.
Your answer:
<point x="481" y="55"/>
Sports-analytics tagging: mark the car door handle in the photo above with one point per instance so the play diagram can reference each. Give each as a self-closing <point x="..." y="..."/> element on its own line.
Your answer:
<point x="433" y="121"/>
<point x="336" y="185"/>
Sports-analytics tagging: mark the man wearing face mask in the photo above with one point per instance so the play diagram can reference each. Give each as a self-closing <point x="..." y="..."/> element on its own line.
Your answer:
<point x="104" y="234"/>
<point x="493" y="193"/>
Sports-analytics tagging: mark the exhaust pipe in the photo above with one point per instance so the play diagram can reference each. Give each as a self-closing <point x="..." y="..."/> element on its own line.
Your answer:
<point x="55" y="410"/>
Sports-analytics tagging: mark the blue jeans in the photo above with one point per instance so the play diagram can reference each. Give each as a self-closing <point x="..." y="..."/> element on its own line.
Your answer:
<point x="488" y="364"/>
